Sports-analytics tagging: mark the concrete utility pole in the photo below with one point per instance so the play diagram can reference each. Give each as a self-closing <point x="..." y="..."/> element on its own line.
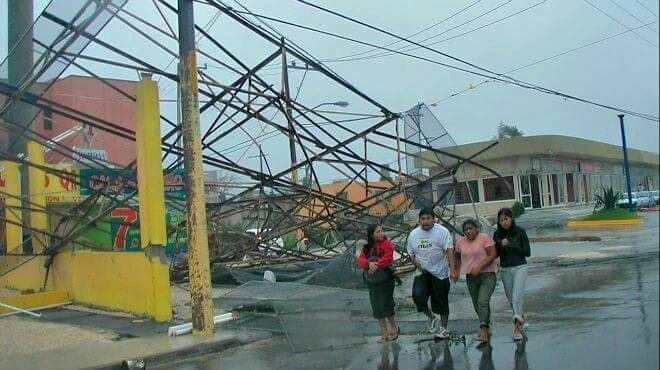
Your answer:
<point x="198" y="247"/>
<point x="289" y="114"/>
<point x="19" y="66"/>
<point x="626" y="168"/>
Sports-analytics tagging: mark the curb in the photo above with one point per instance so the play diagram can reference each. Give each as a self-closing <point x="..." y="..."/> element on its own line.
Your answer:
<point x="195" y="350"/>
<point x="605" y="223"/>
<point x="165" y="357"/>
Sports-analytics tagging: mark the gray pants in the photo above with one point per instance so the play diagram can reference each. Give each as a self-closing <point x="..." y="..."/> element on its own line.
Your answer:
<point x="481" y="288"/>
<point x="514" y="279"/>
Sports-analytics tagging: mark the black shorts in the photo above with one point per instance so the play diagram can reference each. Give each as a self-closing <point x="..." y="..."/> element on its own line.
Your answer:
<point x="427" y="285"/>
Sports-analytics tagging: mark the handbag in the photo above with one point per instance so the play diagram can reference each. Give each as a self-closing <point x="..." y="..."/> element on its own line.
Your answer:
<point x="381" y="276"/>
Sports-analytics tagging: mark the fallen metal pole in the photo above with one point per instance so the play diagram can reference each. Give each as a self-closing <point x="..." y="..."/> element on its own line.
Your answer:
<point x="39" y="308"/>
<point x="20" y="310"/>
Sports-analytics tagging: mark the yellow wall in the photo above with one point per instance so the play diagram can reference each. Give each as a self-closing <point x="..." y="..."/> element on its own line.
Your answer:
<point x="130" y="282"/>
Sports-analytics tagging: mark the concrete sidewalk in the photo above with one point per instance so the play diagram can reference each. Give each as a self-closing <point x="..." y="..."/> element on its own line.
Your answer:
<point x="152" y="350"/>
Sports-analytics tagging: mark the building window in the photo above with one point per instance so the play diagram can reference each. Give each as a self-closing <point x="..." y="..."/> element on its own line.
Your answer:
<point x="462" y="195"/>
<point x="48" y="119"/>
<point x="498" y="189"/>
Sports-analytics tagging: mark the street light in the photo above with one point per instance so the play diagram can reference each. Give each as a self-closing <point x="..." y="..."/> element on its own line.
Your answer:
<point x="292" y="141"/>
<point x="340" y="103"/>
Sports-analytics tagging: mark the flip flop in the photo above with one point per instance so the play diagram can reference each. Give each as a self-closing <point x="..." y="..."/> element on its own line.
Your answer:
<point x="397" y="334"/>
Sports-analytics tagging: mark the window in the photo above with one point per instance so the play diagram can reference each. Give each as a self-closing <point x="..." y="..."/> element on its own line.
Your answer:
<point x="48" y="119"/>
<point x="498" y="189"/>
<point x="462" y="195"/>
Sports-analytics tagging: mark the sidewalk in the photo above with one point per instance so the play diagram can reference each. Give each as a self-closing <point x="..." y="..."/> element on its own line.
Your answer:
<point x="74" y="337"/>
<point x="152" y="350"/>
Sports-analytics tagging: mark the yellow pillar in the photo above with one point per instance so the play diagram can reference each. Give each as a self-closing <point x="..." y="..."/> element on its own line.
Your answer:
<point x="151" y="191"/>
<point x="38" y="218"/>
<point x="13" y="225"/>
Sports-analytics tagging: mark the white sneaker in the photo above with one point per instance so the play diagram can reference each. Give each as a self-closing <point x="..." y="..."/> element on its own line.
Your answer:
<point x="442" y="333"/>
<point x="432" y="325"/>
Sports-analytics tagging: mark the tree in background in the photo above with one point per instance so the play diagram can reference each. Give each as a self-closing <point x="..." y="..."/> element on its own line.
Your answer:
<point x="505" y="131"/>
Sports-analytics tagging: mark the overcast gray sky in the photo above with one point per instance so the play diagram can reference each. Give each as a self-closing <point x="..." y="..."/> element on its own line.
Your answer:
<point x="621" y="71"/>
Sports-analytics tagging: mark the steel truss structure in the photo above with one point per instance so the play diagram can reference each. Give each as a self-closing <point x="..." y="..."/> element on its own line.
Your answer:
<point x="248" y="107"/>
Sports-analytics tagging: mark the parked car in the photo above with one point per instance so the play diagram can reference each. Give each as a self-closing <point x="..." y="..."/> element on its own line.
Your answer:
<point x="623" y="202"/>
<point x="655" y="196"/>
<point x="640" y="199"/>
<point x="265" y="243"/>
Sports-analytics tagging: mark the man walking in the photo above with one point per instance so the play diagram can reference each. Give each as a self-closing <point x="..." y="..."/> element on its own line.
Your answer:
<point x="431" y="249"/>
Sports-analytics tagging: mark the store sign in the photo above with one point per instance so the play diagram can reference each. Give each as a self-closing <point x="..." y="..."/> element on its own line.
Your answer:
<point x="109" y="182"/>
<point x="92" y="180"/>
<point x="89" y="155"/>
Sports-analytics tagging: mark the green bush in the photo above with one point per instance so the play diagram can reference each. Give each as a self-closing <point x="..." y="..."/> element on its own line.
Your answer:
<point x="517" y="209"/>
<point x="608" y="199"/>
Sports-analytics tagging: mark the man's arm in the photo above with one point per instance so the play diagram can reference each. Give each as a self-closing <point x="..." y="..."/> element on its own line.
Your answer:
<point x="453" y="267"/>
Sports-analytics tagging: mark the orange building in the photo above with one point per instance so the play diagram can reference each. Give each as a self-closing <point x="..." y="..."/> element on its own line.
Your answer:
<point x="391" y="200"/>
<point x="97" y="99"/>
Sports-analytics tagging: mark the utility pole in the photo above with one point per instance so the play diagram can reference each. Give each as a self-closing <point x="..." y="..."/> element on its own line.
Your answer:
<point x="198" y="250"/>
<point x="289" y="114"/>
<point x="626" y="167"/>
<point x="19" y="68"/>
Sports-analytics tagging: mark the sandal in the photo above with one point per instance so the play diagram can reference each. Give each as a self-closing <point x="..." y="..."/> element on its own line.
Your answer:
<point x="395" y="336"/>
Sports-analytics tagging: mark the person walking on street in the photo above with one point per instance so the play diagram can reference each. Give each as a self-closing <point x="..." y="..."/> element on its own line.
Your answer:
<point x="430" y="247"/>
<point x="512" y="247"/>
<point x="476" y="259"/>
<point x="376" y="259"/>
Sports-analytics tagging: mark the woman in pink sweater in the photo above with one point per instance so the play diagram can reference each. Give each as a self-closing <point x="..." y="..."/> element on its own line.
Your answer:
<point x="476" y="252"/>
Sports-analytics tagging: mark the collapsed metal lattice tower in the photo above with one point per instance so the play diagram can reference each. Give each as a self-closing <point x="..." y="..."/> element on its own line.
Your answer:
<point x="248" y="108"/>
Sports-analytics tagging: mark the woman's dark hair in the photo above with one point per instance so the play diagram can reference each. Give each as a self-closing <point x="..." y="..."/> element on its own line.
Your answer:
<point x="471" y="222"/>
<point x="506" y="212"/>
<point x="370" y="238"/>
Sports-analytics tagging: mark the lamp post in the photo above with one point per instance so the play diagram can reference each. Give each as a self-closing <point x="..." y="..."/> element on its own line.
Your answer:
<point x="292" y="140"/>
<point x="626" y="167"/>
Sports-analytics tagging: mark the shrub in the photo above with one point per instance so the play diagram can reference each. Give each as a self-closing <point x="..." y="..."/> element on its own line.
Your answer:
<point x="517" y="209"/>
<point x="608" y="199"/>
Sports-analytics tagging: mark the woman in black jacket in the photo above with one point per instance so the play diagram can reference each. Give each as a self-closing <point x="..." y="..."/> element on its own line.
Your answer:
<point x="512" y="247"/>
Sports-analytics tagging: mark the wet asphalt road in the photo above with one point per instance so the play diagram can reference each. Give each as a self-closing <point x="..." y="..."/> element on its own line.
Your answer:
<point x="600" y="315"/>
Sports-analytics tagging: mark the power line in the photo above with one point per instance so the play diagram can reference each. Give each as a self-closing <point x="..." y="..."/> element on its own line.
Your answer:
<point x="409" y="48"/>
<point x="493" y="76"/>
<point x="617" y="21"/>
<point x="409" y="36"/>
<point x="630" y="14"/>
<point x="472" y="87"/>
<point x="645" y="7"/>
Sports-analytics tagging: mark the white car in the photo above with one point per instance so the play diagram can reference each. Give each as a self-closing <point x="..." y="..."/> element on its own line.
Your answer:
<point x="640" y="199"/>
<point x="655" y="196"/>
<point x="270" y="246"/>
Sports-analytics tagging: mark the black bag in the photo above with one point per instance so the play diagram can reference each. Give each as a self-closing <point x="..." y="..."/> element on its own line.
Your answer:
<point x="381" y="276"/>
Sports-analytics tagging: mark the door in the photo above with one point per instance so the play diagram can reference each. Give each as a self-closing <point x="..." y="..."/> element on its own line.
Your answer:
<point x="525" y="192"/>
<point x="570" y="190"/>
<point x="536" y="193"/>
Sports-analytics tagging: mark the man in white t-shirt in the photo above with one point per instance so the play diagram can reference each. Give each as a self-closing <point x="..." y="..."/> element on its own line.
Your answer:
<point x="431" y="249"/>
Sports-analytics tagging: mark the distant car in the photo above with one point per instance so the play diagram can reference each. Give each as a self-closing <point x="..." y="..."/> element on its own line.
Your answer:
<point x="655" y="196"/>
<point x="270" y="246"/>
<point x="645" y="199"/>
<point x="623" y="202"/>
<point x="640" y="199"/>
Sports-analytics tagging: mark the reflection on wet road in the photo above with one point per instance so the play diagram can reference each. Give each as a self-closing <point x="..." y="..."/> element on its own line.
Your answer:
<point x="588" y="316"/>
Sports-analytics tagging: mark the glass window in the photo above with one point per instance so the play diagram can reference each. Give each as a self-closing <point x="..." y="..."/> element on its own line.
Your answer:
<point x="498" y="189"/>
<point x="48" y="119"/>
<point x="462" y="193"/>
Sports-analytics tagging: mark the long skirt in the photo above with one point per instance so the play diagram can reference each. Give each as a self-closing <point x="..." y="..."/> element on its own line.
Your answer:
<point x="381" y="297"/>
